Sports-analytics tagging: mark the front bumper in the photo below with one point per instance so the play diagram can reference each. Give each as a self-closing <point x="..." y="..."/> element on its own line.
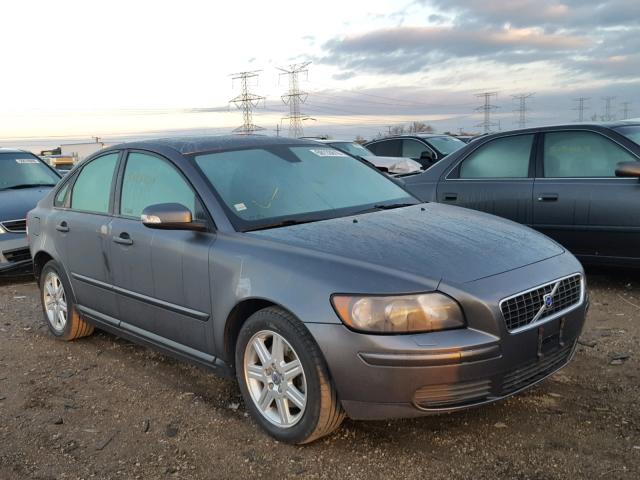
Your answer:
<point x="382" y="376"/>
<point x="15" y="258"/>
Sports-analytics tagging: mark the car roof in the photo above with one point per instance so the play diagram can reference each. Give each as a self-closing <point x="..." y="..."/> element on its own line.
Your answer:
<point x="569" y="126"/>
<point x="12" y="150"/>
<point x="210" y="143"/>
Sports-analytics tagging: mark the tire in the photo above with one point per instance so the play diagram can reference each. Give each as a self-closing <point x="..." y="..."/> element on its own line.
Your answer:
<point x="58" y="306"/>
<point x="321" y="411"/>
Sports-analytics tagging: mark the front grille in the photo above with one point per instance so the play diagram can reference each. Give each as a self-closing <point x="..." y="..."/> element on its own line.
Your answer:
<point x="435" y="396"/>
<point x="15" y="226"/>
<point x="540" y="303"/>
<point x="17" y="255"/>
<point x="533" y="371"/>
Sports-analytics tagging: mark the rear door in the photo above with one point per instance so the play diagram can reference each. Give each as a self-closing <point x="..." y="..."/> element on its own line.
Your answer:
<point x="496" y="177"/>
<point x="580" y="202"/>
<point x="161" y="276"/>
<point x="84" y="229"/>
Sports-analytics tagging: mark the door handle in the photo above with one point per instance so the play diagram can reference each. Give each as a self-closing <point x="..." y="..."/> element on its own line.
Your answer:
<point x="451" y="197"/>
<point x="123" y="239"/>
<point x="62" y="227"/>
<point x="548" y="197"/>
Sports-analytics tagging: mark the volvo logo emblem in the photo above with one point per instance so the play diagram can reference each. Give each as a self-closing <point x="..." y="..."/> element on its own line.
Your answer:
<point x="548" y="300"/>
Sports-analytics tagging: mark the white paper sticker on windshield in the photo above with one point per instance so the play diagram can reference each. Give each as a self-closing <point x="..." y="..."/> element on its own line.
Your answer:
<point x="328" y="152"/>
<point x="26" y="160"/>
<point x="240" y="207"/>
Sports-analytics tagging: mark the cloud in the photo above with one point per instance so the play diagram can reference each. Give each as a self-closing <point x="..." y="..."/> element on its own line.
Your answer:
<point x="545" y="13"/>
<point x="599" y="38"/>
<point x="414" y="49"/>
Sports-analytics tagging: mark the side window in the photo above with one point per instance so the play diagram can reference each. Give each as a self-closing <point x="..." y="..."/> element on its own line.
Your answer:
<point x="413" y="149"/>
<point x="506" y="157"/>
<point x="386" y="148"/>
<point x="582" y="154"/>
<point x="61" y="196"/>
<point x="149" y="180"/>
<point x="92" y="189"/>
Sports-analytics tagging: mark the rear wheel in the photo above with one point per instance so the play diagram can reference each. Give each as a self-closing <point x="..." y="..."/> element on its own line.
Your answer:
<point x="284" y="379"/>
<point x="58" y="307"/>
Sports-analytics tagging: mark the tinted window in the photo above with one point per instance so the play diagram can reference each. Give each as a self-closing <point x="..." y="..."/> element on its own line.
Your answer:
<point x="386" y="148"/>
<point x="413" y="149"/>
<point x="92" y="189"/>
<point x="149" y="180"/>
<point x="506" y="157"/>
<point x="22" y="169"/>
<point x="285" y="181"/>
<point x="582" y="154"/>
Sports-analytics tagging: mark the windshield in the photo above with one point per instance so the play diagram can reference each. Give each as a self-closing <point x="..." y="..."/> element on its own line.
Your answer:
<point x="632" y="132"/>
<point x="22" y="169"/>
<point x="445" y="145"/>
<point x="263" y="186"/>
<point x="352" y="148"/>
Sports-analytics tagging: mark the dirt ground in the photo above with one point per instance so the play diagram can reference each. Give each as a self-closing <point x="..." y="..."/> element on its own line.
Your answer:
<point x="102" y="407"/>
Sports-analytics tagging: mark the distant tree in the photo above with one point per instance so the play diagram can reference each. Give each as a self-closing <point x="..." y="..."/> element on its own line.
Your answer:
<point x="419" y="127"/>
<point x="359" y="139"/>
<point x="396" y="130"/>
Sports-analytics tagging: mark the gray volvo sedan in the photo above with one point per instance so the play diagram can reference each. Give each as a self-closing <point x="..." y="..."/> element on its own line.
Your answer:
<point x="321" y="284"/>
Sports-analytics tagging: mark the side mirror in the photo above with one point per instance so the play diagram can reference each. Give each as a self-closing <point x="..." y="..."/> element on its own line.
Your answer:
<point x="170" y="216"/>
<point x="628" y="169"/>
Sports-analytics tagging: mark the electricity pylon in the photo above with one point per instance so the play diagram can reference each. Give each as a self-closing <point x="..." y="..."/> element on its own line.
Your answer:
<point x="246" y="101"/>
<point x="294" y="97"/>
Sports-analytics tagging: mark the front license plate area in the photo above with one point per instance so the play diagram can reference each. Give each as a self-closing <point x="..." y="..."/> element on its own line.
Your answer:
<point x="550" y="337"/>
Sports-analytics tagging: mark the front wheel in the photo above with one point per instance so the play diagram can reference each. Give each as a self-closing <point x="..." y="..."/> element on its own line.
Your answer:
<point x="284" y="379"/>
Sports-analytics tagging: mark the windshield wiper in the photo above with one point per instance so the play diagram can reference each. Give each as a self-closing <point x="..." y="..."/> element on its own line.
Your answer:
<point x="29" y="185"/>
<point x="390" y="206"/>
<point x="283" y="223"/>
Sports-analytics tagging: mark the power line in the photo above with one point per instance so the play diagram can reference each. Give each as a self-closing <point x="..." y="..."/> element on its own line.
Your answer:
<point x="486" y="109"/>
<point x="626" y="110"/>
<point x="295" y="97"/>
<point x="607" y="117"/>
<point x="246" y="101"/>
<point x="581" y="107"/>
<point x="522" y="108"/>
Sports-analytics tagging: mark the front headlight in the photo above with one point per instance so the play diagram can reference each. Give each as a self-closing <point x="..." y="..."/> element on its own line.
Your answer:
<point x="2" y="230"/>
<point x="425" y="312"/>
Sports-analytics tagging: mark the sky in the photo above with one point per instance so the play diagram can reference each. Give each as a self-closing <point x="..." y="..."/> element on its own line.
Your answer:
<point x="116" y="69"/>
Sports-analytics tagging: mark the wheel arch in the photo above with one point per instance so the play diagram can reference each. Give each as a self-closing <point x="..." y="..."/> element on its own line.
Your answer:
<point x="239" y="314"/>
<point x="40" y="259"/>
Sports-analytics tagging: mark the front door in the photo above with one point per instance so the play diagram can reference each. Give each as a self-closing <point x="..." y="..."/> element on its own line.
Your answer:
<point x="84" y="228"/>
<point x="580" y="202"/>
<point x="495" y="178"/>
<point x="161" y="277"/>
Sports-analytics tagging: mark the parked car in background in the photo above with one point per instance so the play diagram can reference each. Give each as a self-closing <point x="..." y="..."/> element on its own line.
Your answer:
<point x="575" y="183"/>
<point x="322" y="285"/>
<point x="24" y="180"/>
<point x="425" y="148"/>
<point x="396" y="166"/>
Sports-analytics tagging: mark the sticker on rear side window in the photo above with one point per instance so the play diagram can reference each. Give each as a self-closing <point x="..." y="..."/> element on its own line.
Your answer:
<point x="328" y="152"/>
<point x="26" y="160"/>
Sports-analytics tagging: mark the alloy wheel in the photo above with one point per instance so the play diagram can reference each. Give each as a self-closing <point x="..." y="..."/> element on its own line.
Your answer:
<point x="55" y="302"/>
<point x="275" y="378"/>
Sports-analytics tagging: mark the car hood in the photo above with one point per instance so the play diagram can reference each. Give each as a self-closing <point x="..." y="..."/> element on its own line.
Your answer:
<point x="398" y="165"/>
<point x="14" y="204"/>
<point x="431" y="240"/>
